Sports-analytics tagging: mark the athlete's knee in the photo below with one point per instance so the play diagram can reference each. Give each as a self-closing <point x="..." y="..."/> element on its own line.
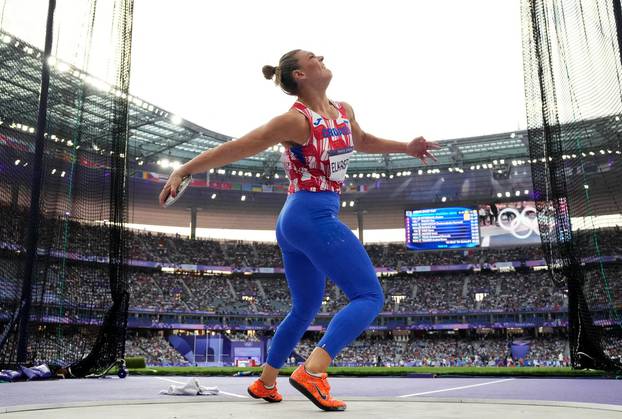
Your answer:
<point x="378" y="300"/>
<point x="374" y="299"/>
<point x="304" y="315"/>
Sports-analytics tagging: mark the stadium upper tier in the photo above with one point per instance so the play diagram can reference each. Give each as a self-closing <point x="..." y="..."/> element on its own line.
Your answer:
<point x="156" y="133"/>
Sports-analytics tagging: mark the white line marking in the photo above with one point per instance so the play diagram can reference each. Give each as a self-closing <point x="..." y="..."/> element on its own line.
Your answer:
<point x="458" y="388"/>
<point x="220" y="391"/>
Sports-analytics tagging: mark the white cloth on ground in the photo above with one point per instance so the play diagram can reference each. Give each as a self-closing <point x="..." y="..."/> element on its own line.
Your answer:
<point x="192" y="388"/>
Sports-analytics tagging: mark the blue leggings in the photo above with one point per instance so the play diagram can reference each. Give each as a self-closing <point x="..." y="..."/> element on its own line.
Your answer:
<point x="315" y="244"/>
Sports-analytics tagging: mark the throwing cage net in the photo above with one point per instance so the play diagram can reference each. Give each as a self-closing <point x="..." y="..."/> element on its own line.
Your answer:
<point x="63" y="182"/>
<point x="573" y="82"/>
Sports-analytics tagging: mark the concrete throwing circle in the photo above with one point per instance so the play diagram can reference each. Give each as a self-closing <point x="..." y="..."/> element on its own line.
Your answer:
<point x="217" y="407"/>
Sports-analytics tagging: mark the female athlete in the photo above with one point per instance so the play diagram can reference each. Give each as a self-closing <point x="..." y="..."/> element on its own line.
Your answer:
<point x="320" y="136"/>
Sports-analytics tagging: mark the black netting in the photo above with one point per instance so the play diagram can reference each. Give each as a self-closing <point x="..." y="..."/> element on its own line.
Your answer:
<point x="573" y="89"/>
<point x="77" y="315"/>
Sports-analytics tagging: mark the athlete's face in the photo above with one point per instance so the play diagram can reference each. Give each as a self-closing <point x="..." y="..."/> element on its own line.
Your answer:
<point x="312" y="66"/>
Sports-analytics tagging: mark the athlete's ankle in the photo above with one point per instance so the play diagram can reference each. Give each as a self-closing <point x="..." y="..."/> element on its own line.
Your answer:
<point x="312" y="372"/>
<point x="267" y="385"/>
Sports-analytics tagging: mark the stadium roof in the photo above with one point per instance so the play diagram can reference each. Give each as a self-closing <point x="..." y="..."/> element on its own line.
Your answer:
<point x="156" y="133"/>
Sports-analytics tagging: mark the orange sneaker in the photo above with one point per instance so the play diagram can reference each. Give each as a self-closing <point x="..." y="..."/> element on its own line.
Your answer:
<point x="258" y="390"/>
<point x="315" y="389"/>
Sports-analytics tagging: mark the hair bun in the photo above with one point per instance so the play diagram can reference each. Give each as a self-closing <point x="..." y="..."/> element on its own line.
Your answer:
<point x="268" y="71"/>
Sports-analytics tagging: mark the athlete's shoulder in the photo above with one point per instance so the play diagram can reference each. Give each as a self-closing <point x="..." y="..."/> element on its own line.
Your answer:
<point x="291" y="125"/>
<point x="347" y="108"/>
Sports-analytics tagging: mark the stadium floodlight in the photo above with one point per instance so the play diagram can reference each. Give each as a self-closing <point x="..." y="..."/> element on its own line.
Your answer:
<point x="591" y="153"/>
<point x="517" y="193"/>
<point x="243" y="198"/>
<point x="213" y="196"/>
<point x="507" y="194"/>
<point x="390" y="176"/>
<point x="398" y="174"/>
<point x="221" y="171"/>
<point x="7" y="40"/>
<point x="343" y="204"/>
<point x="211" y="170"/>
<point x="513" y="135"/>
<point x="351" y="204"/>
<point x="444" y="199"/>
<point x="176" y="119"/>
<point x="499" y="194"/>
<point x="586" y="186"/>
<point x="258" y="175"/>
<point x="140" y="162"/>
<point x="602" y="151"/>
<point x="276" y="175"/>
<point x="17" y="162"/>
<point x="62" y="174"/>
<point x="234" y="172"/>
<point x="53" y="171"/>
<point x="526" y="191"/>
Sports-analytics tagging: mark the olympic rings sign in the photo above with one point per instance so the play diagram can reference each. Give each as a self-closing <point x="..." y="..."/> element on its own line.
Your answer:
<point x="522" y="224"/>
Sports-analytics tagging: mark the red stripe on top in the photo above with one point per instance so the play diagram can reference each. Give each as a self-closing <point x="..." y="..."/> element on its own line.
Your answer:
<point x="308" y="166"/>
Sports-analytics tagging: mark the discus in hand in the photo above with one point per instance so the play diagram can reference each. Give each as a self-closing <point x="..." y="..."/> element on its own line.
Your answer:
<point x="170" y="200"/>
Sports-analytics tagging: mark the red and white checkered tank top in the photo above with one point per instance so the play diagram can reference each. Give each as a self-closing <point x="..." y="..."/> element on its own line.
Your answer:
<point x="321" y="163"/>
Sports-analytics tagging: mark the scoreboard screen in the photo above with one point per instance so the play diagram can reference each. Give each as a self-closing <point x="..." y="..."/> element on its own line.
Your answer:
<point x="442" y="228"/>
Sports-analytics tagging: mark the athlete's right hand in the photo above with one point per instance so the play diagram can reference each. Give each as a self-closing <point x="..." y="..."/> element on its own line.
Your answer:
<point x="172" y="184"/>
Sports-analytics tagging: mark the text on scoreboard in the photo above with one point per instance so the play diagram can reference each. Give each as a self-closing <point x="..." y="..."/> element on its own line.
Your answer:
<point x="441" y="228"/>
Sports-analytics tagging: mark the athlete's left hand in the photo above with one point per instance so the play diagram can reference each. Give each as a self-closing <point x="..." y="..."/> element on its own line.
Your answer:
<point x="419" y="148"/>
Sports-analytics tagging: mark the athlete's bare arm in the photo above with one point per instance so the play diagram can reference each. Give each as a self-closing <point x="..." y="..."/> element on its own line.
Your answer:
<point x="290" y="127"/>
<point x="368" y="143"/>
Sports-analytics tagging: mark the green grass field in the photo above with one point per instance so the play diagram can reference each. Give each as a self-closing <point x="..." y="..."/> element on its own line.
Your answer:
<point x="383" y="371"/>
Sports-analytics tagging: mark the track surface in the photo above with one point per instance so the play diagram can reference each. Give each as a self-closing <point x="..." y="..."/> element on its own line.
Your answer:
<point x="399" y="389"/>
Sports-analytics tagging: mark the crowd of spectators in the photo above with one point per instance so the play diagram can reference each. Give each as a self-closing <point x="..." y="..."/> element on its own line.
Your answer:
<point x="390" y="349"/>
<point x="91" y="238"/>
<point x="155" y="349"/>
<point x="242" y="336"/>
<point x="72" y="285"/>
<point x="444" y="351"/>
<point x="87" y="286"/>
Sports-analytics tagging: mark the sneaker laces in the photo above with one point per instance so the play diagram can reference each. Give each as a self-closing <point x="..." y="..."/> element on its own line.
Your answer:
<point x="325" y="381"/>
